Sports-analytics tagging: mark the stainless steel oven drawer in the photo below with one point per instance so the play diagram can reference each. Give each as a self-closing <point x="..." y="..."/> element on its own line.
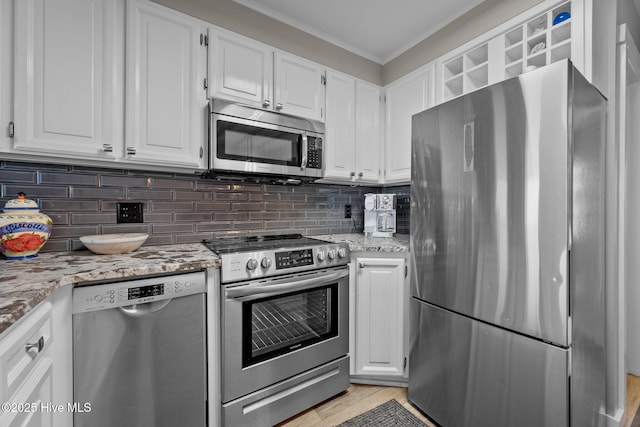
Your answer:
<point x="285" y="399"/>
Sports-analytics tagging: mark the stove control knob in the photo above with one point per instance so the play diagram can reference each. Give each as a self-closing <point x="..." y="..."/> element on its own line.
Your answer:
<point x="266" y="262"/>
<point x="252" y="264"/>
<point x="321" y="256"/>
<point x="332" y="254"/>
<point x="342" y="253"/>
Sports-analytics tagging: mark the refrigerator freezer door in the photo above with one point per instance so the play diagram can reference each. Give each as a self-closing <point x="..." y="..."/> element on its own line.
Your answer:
<point x="469" y="373"/>
<point x="490" y="205"/>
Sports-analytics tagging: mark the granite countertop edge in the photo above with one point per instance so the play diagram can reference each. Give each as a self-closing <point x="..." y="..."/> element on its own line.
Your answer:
<point x="26" y="283"/>
<point x="358" y="242"/>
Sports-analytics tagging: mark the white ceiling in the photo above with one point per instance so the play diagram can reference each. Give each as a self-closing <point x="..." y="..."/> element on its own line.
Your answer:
<point x="378" y="30"/>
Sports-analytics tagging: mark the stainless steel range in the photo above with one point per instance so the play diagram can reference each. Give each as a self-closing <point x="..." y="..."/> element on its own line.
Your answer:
<point x="283" y="330"/>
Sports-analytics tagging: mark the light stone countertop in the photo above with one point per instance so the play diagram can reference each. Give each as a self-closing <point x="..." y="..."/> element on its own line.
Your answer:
<point x="358" y="242"/>
<point x="25" y="283"/>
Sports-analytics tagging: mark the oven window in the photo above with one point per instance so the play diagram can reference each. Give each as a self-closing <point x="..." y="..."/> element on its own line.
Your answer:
<point x="249" y="143"/>
<point x="285" y="323"/>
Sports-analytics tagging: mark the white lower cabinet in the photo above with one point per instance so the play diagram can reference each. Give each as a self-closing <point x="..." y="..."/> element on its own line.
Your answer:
<point x="36" y="369"/>
<point x="379" y="318"/>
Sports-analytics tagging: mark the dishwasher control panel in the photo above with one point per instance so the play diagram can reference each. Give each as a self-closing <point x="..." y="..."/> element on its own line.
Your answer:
<point x="136" y="291"/>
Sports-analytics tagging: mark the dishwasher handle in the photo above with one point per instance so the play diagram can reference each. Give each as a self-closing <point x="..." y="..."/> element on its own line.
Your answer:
<point x="144" y="309"/>
<point x="281" y="286"/>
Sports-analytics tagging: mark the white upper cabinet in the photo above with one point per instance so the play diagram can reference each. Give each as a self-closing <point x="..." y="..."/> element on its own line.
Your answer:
<point x="6" y="72"/>
<point x="299" y="86"/>
<point x="541" y="40"/>
<point x="353" y="130"/>
<point x="549" y="32"/>
<point x="368" y="132"/>
<point x="247" y="71"/>
<point x="240" y="69"/>
<point x="340" y="137"/>
<point x="66" y="71"/>
<point x="405" y="97"/>
<point x="166" y="103"/>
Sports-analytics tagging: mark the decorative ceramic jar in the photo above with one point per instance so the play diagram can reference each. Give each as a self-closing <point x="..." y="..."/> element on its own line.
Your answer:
<point x="23" y="229"/>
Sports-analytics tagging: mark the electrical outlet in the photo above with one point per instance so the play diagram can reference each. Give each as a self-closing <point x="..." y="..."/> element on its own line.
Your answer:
<point x="129" y="212"/>
<point x="347" y="211"/>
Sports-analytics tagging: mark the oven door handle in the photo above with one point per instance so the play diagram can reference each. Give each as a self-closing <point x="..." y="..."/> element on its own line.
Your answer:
<point x="262" y="289"/>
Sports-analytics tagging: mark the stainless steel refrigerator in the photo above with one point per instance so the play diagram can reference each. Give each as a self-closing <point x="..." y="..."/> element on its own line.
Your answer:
<point x="507" y="254"/>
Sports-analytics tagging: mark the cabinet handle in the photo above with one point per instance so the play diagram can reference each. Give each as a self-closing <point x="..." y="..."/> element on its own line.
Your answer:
<point x="360" y="175"/>
<point x="363" y="265"/>
<point x="131" y="151"/>
<point x="278" y="106"/>
<point x="266" y="103"/>
<point x="38" y="345"/>
<point x="107" y="148"/>
<point x="352" y="174"/>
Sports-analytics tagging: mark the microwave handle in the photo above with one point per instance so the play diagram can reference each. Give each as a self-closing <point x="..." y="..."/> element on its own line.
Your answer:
<point x="305" y="149"/>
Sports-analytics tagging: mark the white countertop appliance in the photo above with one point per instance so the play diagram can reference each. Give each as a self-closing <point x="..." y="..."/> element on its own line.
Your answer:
<point x="379" y="215"/>
<point x="284" y="304"/>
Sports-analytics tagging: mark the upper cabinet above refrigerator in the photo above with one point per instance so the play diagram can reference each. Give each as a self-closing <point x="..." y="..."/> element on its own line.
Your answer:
<point x="549" y="32"/>
<point x="247" y="71"/>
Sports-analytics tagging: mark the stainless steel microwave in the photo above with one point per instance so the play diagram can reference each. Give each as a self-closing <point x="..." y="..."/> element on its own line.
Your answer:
<point x="252" y="141"/>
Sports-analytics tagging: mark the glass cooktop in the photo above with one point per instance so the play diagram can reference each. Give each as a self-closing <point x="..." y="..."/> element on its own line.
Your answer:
<point x="252" y="243"/>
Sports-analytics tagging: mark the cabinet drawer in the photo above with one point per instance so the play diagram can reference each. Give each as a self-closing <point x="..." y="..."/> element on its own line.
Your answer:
<point x="22" y="347"/>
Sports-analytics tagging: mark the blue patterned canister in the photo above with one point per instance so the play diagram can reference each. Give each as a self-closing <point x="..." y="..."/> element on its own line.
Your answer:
<point x="23" y="229"/>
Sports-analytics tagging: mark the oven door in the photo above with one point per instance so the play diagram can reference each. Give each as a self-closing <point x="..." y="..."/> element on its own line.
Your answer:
<point x="274" y="329"/>
<point x="244" y="145"/>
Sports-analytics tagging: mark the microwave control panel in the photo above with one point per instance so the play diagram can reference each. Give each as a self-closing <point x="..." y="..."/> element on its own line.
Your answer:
<point x="314" y="153"/>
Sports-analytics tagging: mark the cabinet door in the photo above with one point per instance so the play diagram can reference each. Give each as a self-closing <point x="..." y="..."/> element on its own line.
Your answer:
<point x="166" y="101"/>
<point x="299" y="87"/>
<point x="381" y="299"/>
<point x="240" y="69"/>
<point x="368" y="132"/>
<point x="6" y="79"/>
<point x="26" y="368"/>
<point x="36" y="391"/>
<point x="67" y="65"/>
<point x="340" y="127"/>
<point x="404" y="99"/>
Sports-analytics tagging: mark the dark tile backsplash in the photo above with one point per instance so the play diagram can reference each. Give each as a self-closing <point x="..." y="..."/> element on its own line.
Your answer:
<point x="182" y="208"/>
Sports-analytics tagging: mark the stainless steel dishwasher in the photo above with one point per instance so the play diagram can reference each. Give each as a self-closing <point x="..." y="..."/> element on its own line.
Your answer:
<point x="139" y="355"/>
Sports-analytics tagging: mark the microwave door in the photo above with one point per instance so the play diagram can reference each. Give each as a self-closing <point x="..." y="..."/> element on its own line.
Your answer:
<point x="247" y="146"/>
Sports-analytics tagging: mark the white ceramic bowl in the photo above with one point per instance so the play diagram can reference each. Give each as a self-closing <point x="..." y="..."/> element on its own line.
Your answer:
<point x="108" y="244"/>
